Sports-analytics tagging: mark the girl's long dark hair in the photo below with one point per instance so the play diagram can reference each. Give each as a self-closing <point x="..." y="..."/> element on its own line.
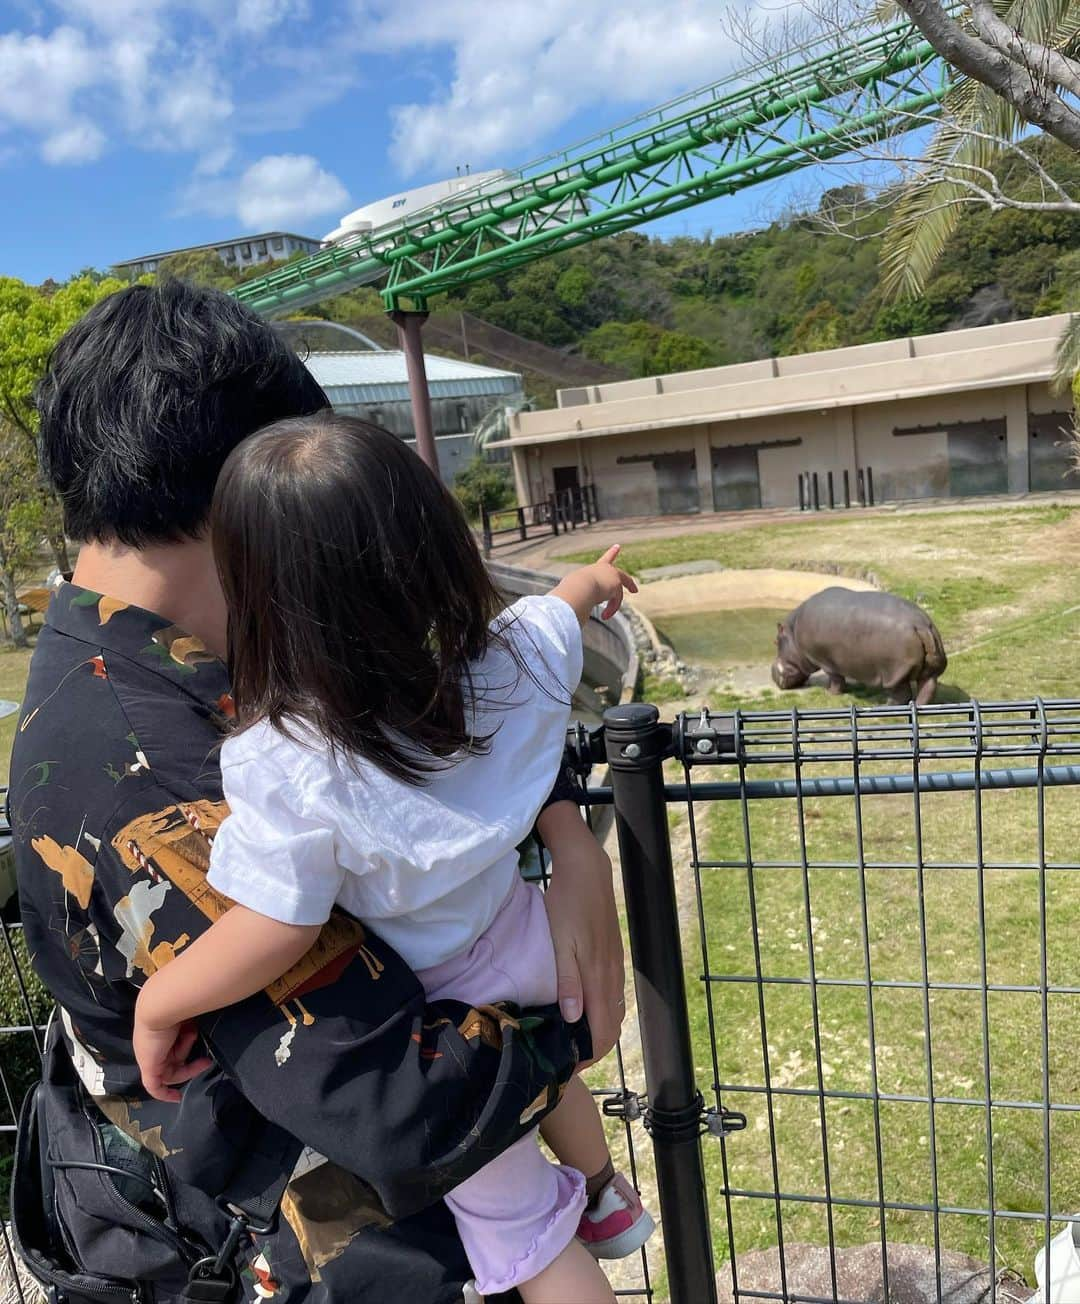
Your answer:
<point x="356" y="593"/>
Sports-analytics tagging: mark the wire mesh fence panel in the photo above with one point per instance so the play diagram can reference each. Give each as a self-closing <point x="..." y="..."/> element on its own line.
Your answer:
<point x="618" y="1097"/>
<point x="878" y="934"/>
<point x="23" y="1009"/>
<point x="885" y="913"/>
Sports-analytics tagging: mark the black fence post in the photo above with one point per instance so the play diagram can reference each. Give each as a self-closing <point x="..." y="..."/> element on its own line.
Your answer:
<point x="802" y="494"/>
<point x="861" y="482"/>
<point x="635" y="743"/>
<point x="485" y="526"/>
<point x="847" y="488"/>
<point x="817" y="500"/>
<point x="832" y="499"/>
<point x="554" y="516"/>
<point x="870" y="486"/>
<point x="523" y="529"/>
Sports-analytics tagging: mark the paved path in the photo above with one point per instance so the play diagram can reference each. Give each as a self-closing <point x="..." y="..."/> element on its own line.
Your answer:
<point x="537" y="553"/>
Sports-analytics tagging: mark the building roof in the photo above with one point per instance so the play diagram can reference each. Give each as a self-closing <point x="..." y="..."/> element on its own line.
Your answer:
<point x="986" y="357"/>
<point x="380" y="376"/>
<point x="217" y="244"/>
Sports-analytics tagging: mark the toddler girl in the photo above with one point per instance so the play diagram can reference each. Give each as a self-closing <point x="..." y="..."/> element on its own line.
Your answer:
<point x="396" y="735"/>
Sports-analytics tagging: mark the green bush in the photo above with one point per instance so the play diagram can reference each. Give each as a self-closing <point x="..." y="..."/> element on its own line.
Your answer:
<point x="483" y="484"/>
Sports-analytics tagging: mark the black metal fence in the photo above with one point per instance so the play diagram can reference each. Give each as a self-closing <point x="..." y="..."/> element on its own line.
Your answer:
<point x="820" y="490"/>
<point x="558" y="513"/>
<point x="854" y="940"/>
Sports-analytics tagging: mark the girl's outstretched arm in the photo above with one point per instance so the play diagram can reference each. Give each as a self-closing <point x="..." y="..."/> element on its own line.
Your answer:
<point x="588" y="586"/>
<point x="239" y="955"/>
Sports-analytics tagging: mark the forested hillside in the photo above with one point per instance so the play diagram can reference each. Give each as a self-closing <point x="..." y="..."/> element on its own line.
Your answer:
<point x="642" y="304"/>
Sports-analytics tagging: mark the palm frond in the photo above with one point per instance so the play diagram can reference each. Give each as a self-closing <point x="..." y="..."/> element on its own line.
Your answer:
<point x="1067" y="362"/>
<point x="1052" y="22"/>
<point x="928" y="213"/>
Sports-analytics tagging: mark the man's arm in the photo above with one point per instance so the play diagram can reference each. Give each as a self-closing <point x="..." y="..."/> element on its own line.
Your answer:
<point x="344" y="1052"/>
<point x="584" y="921"/>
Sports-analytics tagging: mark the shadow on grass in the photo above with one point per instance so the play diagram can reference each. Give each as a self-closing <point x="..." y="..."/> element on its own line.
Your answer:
<point x="864" y="696"/>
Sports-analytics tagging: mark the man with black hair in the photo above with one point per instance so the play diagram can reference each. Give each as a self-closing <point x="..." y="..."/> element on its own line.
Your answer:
<point x="338" y="1090"/>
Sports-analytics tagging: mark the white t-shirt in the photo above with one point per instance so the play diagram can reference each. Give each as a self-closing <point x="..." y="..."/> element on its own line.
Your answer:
<point x="427" y="867"/>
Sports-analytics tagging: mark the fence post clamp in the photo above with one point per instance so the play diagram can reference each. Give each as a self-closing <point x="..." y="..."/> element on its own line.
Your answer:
<point x="704" y="737"/>
<point x="624" y="1104"/>
<point x="723" y="1122"/>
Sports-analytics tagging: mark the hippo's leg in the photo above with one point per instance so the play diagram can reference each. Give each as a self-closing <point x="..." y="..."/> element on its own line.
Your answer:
<point x="837" y="684"/>
<point x="926" y="692"/>
<point x="900" y="693"/>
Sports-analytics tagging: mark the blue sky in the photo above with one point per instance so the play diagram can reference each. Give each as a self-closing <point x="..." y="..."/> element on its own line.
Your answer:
<point x="131" y="126"/>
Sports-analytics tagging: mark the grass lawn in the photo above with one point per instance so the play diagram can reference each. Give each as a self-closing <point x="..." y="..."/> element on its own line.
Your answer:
<point x="1000" y="587"/>
<point x="892" y="941"/>
<point x="14" y="664"/>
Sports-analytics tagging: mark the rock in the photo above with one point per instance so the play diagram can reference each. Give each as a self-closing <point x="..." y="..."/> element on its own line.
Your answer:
<point x="659" y="658"/>
<point x="912" y="1276"/>
<point x="679" y="568"/>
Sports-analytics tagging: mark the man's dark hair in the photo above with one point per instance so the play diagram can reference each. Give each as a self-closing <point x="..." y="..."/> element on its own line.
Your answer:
<point x="146" y="396"/>
<point x="356" y="594"/>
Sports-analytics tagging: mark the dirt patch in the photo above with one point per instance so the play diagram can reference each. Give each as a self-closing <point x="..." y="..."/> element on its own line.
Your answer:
<point x="912" y="1276"/>
<point x="724" y="590"/>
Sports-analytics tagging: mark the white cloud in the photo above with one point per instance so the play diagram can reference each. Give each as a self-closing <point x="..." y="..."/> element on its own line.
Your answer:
<point x="260" y="15"/>
<point x="277" y="191"/>
<point x="519" y="78"/>
<point x="161" y="75"/>
<point x="285" y="189"/>
<point x="191" y="110"/>
<point x="81" y="142"/>
<point x="41" y="75"/>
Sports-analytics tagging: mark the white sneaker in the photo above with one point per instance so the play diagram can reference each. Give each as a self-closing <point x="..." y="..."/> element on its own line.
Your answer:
<point x="1061" y="1285"/>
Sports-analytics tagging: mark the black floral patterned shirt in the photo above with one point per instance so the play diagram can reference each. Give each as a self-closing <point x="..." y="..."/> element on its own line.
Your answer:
<point x="114" y="801"/>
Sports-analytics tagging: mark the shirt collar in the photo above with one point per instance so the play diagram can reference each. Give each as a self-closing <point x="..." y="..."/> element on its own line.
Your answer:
<point x="143" y="637"/>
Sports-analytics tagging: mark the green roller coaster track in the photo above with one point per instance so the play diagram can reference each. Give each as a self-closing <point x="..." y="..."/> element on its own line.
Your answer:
<point x="715" y="141"/>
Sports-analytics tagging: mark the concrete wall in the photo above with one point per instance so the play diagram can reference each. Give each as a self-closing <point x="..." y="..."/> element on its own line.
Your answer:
<point x="994" y="440"/>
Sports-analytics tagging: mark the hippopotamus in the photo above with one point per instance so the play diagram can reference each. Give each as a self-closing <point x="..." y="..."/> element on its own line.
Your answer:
<point x="875" y="639"/>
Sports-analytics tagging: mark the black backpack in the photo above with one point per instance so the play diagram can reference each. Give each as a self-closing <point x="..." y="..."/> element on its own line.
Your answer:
<point x="93" y="1214"/>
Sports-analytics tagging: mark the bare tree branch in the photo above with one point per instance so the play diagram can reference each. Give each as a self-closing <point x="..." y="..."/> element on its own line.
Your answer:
<point x="1040" y="58"/>
<point x="1036" y="101"/>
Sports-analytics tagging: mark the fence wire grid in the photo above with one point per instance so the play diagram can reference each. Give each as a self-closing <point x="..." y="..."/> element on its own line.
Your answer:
<point x="877" y="935"/>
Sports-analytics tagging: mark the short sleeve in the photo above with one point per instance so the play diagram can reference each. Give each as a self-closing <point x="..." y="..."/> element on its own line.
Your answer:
<point x="268" y="855"/>
<point x="546" y="632"/>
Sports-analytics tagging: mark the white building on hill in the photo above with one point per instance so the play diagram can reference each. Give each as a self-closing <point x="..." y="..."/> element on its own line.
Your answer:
<point x="242" y="252"/>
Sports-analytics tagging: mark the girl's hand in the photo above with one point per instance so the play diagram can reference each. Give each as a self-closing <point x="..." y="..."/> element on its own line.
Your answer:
<point x="162" y="1055"/>
<point x="611" y="582"/>
<point x="589" y="586"/>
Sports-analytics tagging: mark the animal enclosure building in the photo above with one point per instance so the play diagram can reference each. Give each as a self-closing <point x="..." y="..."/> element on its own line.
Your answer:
<point x="955" y="415"/>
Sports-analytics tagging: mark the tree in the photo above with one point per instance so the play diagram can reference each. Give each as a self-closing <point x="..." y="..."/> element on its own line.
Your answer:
<point x="199" y="267"/>
<point x="1013" y="66"/>
<point x="482" y="484"/>
<point x="1016" y="67"/>
<point x="32" y="319"/>
<point x="21" y="520"/>
<point x="642" y="348"/>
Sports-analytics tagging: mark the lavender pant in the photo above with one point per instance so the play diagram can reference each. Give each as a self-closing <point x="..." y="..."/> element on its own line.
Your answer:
<point x="518" y="1213"/>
